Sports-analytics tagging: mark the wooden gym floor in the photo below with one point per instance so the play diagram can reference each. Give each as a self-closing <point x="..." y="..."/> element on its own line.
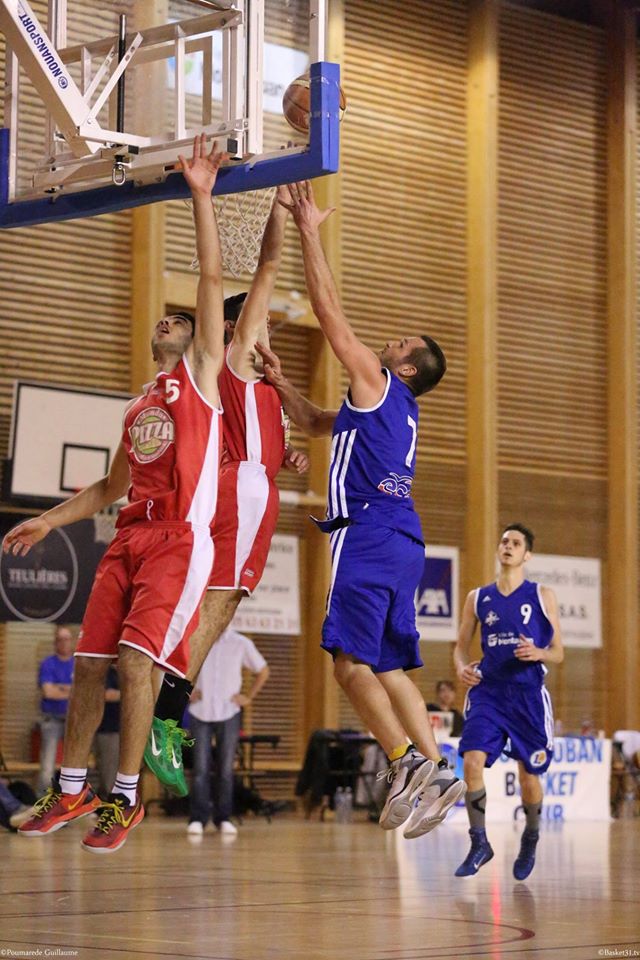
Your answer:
<point x="296" y="890"/>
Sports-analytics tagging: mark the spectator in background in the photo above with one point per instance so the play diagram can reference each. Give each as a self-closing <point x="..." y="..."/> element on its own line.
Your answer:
<point x="445" y="700"/>
<point x="106" y="745"/>
<point x="55" y="676"/>
<point x="12" y="811"/>
<point x="216" y="710"/>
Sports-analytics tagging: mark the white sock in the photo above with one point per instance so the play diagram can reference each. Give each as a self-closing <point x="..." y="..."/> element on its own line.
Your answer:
<point x="72" y="779"/>
<point x="126" y="784"/>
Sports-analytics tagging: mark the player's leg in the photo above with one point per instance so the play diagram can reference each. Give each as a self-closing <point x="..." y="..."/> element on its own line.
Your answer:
<point x="353" y="632"/>
<point x="531" y="790"/>
<point x="411" y="710"/>
<point x="370" y="701"/>
<point x="216" y="613"/>
<point x="163" y="752"/>
<point x="442" y="789"/>
<point x="200" y="794"/>
<point x="71" y="797"/>
<point x="227" y="736"/>
<point x="408" y="769"/>
<point x="123" y="810"/>
<point x="480" y="851"/>
<point x="531" y="744"/>
<point x="402" y="567"/>
<point x="483" y="738"/>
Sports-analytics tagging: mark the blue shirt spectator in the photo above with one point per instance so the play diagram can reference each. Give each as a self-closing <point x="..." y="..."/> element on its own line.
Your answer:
<point x="54" y="677"/>
<point x="56" y="673"/>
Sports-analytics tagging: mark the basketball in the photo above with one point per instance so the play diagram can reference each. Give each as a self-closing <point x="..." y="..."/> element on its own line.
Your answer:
<point x="296" y="103"/>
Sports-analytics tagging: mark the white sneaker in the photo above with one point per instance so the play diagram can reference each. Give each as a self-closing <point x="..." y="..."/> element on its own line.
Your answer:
<point x="433" y="802"/>
<point x="227" y="827"/>
<point x="406" y="776"/>
<point x="195" y="828"/>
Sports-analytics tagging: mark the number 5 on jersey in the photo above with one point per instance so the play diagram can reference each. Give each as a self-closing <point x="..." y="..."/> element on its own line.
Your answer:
<point x="172" y="390"/>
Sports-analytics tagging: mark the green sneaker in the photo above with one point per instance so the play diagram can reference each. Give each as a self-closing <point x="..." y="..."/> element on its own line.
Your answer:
<point x="163" y="754"/>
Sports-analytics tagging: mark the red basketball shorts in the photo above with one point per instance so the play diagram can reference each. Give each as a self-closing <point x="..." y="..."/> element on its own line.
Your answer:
<point x="147" y="591"/>
<point x="246" y="518"/>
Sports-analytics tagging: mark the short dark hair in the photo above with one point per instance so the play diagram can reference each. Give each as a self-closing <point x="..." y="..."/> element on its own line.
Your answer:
<point x="444" y="683"/>
<point x="526" y="533"/>
<point x="233" y="307"/>
<point x="431" y="365"/>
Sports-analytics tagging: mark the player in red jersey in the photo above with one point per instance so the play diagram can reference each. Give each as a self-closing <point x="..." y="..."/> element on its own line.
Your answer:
<point x="255" y="448"/>
<point x="148" y="587"/>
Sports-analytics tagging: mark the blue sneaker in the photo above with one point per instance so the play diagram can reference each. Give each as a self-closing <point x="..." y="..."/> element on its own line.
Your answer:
<point x="526" y="859"/>
<point x="479" y="854"/>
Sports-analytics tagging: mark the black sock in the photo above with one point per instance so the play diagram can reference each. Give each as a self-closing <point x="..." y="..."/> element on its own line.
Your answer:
<point x="476" y="801"/>
<point x="173" y="698"/>
<point x="532" y="813"/>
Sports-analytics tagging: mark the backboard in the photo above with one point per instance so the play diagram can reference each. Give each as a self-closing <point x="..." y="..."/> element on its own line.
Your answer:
<point x="62" y="439"/>
<point x="99" y="103"/>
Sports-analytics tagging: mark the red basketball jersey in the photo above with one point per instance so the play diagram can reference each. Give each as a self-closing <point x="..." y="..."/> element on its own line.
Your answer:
<point x="253" y="422"/>
<point x="173" y="440"/>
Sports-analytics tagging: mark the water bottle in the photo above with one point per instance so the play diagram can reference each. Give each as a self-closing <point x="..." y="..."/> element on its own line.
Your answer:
<point x="338" y="805"/>
<point x="348" y="805"/>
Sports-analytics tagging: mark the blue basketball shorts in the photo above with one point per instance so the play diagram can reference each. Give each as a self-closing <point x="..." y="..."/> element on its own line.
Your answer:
<point x="371" y="613"/>
<point x="509" y="718"/>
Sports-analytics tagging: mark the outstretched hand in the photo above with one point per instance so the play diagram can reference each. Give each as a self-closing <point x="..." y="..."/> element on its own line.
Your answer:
<point x="272" y="368"/>
<point x="201" y="170"/>
<point x="20" y="540"/>
<point x="303" y="207"/>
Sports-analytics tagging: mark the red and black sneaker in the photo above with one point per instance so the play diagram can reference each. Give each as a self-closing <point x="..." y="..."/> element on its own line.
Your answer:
<point x="116" y="819"/>
<point x="56" y="809"/>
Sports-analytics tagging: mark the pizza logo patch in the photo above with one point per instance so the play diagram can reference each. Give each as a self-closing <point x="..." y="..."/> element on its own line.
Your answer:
<point x="151" y="433"/>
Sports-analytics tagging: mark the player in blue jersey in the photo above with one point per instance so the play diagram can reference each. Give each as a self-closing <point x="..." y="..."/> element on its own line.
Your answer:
<point x="508" y="708"/>
<point x="377" y="545"/>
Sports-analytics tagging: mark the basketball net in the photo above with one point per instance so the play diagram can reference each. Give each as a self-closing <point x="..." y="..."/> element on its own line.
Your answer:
<point x="241" y="218"/>
<point x="104" y="524"/>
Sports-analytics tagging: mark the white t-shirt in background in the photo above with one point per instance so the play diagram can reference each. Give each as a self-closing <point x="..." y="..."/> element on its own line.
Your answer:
<point x="221" y="676"/>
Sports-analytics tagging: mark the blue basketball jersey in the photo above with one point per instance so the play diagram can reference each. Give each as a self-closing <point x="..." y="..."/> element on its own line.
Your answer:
<point x="502" y="620"/>
<point x="373" y="458"/>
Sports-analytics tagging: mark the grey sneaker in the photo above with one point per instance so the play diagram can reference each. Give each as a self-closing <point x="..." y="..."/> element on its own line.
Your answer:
<point x="406" y="776"/>
<point x="434" y="801"/>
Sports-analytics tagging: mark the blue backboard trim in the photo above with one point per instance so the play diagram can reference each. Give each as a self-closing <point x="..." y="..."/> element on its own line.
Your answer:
<point x="322" y="157"/>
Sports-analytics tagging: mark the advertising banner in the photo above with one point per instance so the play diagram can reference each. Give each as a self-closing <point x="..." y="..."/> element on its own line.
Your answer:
<point x="575" y="787"/>
<point x="437" y="601"/>
<point x="576" y="583"/>
<point x="274" y="607"/>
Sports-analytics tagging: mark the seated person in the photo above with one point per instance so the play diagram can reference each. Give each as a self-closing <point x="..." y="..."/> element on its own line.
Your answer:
<point x="446" y="698"/>
<point x="12" y="812"/>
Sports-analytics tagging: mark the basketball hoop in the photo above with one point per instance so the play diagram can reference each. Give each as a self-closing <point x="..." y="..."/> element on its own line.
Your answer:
<point x="241" y="218"/>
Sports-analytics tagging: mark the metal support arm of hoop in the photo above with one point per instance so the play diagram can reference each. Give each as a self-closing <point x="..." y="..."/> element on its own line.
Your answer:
<point x="320" y="157"/>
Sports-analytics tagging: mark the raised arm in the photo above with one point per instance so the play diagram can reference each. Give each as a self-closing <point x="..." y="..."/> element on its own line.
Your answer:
<point x="365" y="375"/>
<point x="82" y="505"/>
<point x="465" y="667"/>
<point x="206" y="352"/>
<point x="312" y="420"/>
<point x="252" y="323"/>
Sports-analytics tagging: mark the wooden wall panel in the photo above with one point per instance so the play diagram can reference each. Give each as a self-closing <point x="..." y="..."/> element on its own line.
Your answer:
<point x="552" y="306"/>
<point x="403" y="217"/>
<point x="552" y="245"/>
